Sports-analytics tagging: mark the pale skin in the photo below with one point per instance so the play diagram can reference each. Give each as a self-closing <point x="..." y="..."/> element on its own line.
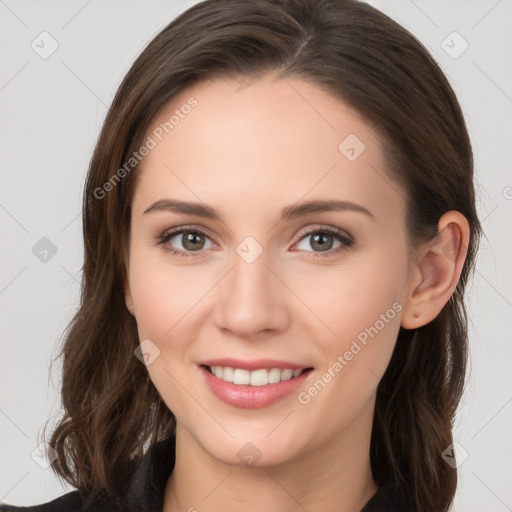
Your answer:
<point x="249" y="150"/>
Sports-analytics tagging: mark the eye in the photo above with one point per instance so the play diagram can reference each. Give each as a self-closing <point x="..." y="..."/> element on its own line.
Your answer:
<point x="192" y="241"/>
<point x="323" y="239"/>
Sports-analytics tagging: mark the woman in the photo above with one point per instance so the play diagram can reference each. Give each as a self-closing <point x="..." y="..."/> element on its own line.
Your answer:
<point x="279" y="225"/>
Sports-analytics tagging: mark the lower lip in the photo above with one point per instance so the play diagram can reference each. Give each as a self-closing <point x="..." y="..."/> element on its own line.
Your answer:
<point x="251" y="397"/>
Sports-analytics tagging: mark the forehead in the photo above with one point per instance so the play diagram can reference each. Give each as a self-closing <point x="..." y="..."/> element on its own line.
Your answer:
<point x="272" y="141"/>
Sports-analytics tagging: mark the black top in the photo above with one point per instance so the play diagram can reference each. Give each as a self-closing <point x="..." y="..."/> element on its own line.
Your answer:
<point x="145" y="486"/>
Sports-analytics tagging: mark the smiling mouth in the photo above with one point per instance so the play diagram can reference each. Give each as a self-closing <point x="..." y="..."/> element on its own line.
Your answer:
<point x="260" y="377"/>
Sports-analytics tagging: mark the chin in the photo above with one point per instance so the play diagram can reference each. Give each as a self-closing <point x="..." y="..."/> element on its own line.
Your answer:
<point x="251" y="451"/>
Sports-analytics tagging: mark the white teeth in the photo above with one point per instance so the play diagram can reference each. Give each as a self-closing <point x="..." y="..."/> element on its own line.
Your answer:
<point x="227" y="373"/>
<point x="255" y="378"/>
<point x="286" y="374"/>
<point x="239" y="377"/>
<point x="274" y="375"/>
<point x="258" y="378"/>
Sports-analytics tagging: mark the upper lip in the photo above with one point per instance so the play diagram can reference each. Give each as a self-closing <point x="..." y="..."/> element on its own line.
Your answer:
<point x="254" y="364"/>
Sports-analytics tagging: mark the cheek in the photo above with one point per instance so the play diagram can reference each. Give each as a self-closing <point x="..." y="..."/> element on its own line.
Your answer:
<point x="350" y="299"/>
<point x="364" y="317"/>
<point x="164" y="299"/>
<point x="360" y="308"/>
<point x="162" y="294"/>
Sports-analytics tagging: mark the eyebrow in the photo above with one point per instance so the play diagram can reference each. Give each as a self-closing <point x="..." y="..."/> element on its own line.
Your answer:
<point x="287" y="213"/>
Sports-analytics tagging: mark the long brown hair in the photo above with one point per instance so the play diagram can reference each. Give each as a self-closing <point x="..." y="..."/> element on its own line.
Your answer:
<point x="112" y="411"/>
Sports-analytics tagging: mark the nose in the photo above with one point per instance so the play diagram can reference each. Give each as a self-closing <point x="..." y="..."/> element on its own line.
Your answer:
<point x="252" y="298"/>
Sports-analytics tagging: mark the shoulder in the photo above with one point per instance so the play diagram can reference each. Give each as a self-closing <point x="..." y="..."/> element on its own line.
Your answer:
<point x="73" y="501"/>
<point x="140" y="486"/>
<point x="389" y="498"/>
<point x="70" y="502"/>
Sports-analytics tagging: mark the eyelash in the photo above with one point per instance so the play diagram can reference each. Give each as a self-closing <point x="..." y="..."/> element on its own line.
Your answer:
<point x="343" y="237"/>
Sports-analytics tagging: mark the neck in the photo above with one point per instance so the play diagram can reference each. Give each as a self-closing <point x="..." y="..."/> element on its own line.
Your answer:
<point x="335" y="475"/>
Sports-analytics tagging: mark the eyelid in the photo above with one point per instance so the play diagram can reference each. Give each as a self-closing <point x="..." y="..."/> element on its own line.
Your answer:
<point x="172" y="232"/>
<point x="346" y="238"/>
<point x="324" y="228"/>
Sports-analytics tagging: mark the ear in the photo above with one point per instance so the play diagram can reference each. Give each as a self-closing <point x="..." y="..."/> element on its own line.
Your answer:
<point x="437" y="271"/>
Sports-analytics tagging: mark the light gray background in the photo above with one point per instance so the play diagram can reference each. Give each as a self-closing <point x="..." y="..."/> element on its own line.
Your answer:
<point x="51" y="113"/>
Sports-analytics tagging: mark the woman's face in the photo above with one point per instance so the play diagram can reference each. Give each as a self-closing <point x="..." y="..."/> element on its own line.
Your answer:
<point x="256" y="284"/>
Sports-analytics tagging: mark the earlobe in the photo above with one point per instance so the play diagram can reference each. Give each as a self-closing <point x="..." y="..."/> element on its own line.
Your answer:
<point x="439" y="269"/>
